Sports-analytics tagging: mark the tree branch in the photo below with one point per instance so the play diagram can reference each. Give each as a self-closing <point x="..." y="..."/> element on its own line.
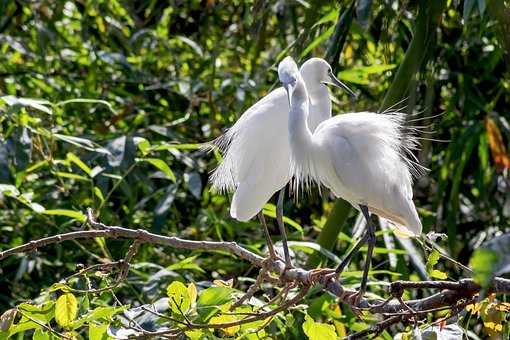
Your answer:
<point x="394" y="308"/>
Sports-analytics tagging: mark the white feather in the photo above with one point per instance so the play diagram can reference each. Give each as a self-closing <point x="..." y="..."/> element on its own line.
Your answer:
<point x="256" y="150"/>
<point x="362" y="157"/>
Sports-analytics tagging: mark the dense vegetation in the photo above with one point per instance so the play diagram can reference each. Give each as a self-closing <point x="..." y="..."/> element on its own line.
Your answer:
<point x="104" y="104"/>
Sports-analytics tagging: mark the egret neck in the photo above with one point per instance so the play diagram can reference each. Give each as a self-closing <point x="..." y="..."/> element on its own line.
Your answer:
<point x="300" y="136"/>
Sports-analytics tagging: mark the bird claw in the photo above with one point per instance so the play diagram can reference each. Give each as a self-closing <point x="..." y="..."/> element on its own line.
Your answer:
<point x="353" y="300"/>
<point x="321" y="275"/>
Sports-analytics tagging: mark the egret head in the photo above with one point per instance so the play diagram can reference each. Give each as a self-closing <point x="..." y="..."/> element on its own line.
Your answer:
<point x="288" y="72"/>
<point x="317" y="71"/>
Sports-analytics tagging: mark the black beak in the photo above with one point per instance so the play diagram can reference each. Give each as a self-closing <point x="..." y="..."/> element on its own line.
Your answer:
<point x="288" y="88"/>
<point x="336" y="82"/>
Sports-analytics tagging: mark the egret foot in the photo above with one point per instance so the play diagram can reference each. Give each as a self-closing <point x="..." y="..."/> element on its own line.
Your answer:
<point x="353" y="301"/>
<point x="270" y="245"/>
<point x="281" y="226"/>
<point x="370" y="239"/>
<point x="321" y="275"/>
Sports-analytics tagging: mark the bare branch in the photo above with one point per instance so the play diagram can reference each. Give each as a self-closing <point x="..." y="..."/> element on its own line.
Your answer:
<point x="452" y="295"/>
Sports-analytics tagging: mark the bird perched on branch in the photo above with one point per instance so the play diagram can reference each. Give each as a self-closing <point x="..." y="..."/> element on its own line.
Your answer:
<point x="364" y="158"/>
<point x="256" y="150"/>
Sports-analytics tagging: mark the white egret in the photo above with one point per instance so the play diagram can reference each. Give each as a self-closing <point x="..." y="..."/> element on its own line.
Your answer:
<point x="361" y="157"/>
<point x="256" y="150"/>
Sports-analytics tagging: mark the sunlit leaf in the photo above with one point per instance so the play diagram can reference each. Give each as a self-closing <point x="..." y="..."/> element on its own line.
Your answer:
<point x="65" y="212"/>
<point x="38" y="104"/>
<point x="230" y="331"/>
<point x="214" y="296"/>
<point x="318" y="331"/>
<point x="74" y="159"/>
<point x="40" y="334"/>
<point x="178" y="297"/>
<point x="66" y="309"/>
<point x="192" y="291"/>
<point x="161" y="165"/>
<point x="98" y="331"/>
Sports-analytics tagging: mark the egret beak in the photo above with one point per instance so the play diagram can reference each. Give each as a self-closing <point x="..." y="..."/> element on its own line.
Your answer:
<point x="288" y="88"/>
<point x="336" y="82"/>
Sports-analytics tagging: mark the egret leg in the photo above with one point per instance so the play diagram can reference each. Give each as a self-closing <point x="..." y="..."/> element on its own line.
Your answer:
<point x="351" y="253"/>
<point x="370" y="244"/>
<point x="279" y="220"/>
<point x="270" y="246"/>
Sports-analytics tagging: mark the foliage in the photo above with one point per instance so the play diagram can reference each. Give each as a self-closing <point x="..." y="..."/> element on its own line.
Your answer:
<point x="105" y="104"/>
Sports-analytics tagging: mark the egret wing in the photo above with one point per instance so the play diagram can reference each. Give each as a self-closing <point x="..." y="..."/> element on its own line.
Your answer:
<point x="256" y="155"/>
<point x="365" y="150"/>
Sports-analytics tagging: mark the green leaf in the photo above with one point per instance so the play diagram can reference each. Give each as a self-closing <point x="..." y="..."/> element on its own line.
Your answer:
<point x="99" y="194"/>
<point x="432" y="260"/>
<point x="37" y="104"/>
<point x="43" y="313"/>
<point x="484" y="263"/>
<point x="142" y="144"/>
<point x="229" y="331"/>
<point x="9" y="190"/>
<point x="40" y="334"/>
<point x="270" y="210"/>
<point x="166" y="146"/>
<point x="325" y="35"/>
<point x="316" y="247"/>
<point x="105" y="313"/>
<point x="211" y="299"/>
<point x="196" y="334"/>
<point x="178" y="297"/>
<point x="194" y="46"/>
<point x="187" y="263"/>
<point x="71" y="176"/>
<point x="360" y="75"/>
<point x="65" y="212"/>
<point x="98" y="314"/>
<point x="66" y="309"/>
<point x="331" y="16"/>
<point x="74" y="159"/>
<point x="81" y="143"/>
<point x="318" y="331"/>
<point x="98" y="332"/>
<point x="161" y="165"/>
<point x="437" y="274"/>
<point x="87" y="101"/>
<point x="215" y="296"/>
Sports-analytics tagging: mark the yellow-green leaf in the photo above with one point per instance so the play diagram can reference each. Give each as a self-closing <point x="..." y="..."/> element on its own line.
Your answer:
<point x="230" y="331"/>
<point x="99" y="194"/>
<point x="318" y="331"/>
<point x="65" y="212"/>
<point x="71" y="176"/>
<point x="39" y="334"/>
<point x="98" y="332"/>
<point x="66" y="309"/>
<point x="79" y="163"/>
<point x="178" y="297"/>
<point x="161" y="165"/>
<point x="192" y="291"/>
<point x="438" y="274"/>
<point x="143" y="145"/>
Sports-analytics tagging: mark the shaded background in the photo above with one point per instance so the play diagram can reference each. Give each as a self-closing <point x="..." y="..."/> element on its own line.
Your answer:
<point x="175" y="74"/>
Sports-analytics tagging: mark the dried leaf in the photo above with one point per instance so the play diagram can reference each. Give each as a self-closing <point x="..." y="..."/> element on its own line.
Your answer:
<point x="498" y="149"/>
